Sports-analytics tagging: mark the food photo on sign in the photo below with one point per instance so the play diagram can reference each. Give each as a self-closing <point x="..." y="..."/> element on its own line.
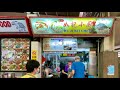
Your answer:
<point x="14" y="59"/>
<point x="58" y="44"/>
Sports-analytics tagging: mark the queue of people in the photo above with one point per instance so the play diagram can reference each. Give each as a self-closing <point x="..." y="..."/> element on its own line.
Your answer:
<point x="70" y="70"/>
<point x="76" y="70"/>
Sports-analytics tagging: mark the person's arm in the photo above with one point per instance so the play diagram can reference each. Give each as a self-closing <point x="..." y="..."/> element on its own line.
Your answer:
<point x="46" y="72"/>
<point x="73" y="71"/>
<point x="64" y="72"/>
<point x="62" y="69"/>
<point x="71" y="74"/>
<point x="84" y="70"/>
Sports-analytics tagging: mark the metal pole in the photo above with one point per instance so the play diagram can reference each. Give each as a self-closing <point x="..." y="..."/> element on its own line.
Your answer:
<point x="40" y="56"/>
<point x="98" y="58"/>
<point x="108" y="14"/>
<point x="56" y="61"/>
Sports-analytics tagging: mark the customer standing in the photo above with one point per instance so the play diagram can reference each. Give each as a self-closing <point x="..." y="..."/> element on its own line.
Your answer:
<point x="63" y="74"/>
<point x="33" y="68"/>
<point x="48" y="71"/>
<point x="78" y="69"/>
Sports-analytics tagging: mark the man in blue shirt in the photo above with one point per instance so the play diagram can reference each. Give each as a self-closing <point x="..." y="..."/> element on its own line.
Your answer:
<point x="78" y="69"/>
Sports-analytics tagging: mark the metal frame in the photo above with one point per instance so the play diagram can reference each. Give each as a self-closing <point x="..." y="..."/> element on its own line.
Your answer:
<point x="86" y="14"/>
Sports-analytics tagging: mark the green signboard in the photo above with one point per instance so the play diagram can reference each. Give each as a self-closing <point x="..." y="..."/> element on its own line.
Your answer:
<point x="71" y="25"/>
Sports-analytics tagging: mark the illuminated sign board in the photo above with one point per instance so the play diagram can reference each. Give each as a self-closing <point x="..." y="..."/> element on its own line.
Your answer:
<point x="13" y="26"/>
<point x="59" y="44"/>
<point x="87" y="26"/>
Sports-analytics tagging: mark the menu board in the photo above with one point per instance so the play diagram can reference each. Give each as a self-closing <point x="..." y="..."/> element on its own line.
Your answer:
<point x="14" y="54"/>
<point x="59" y="44"/>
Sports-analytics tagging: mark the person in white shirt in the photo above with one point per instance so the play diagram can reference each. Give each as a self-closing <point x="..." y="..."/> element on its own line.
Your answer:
<point x="48" y="72"/>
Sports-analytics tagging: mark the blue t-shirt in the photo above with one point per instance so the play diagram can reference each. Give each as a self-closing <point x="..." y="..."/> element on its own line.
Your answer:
<point x="79" y="69"/>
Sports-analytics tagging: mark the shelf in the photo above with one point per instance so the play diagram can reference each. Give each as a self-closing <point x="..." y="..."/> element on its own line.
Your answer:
<point x="60" y="50"/>
<point x="17" y="48"/>
<point x="21" y="48"/>
<point x="15" y="45"/>
<point x="13" y="70"/>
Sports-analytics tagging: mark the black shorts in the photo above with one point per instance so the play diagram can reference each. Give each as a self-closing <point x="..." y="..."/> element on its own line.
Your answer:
<point x="63" y="75"/>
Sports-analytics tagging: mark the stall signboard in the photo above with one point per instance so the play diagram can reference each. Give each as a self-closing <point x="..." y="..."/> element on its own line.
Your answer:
<point x="59" y="44"/>
<point x="13" y="26"/>
<point x="87" y="26"/>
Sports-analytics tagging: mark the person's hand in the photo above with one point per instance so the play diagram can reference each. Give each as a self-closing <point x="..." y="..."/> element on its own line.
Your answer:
<point x="69" y="76"/>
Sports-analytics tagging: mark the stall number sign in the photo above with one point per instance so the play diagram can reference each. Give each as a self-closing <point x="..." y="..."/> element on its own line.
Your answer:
<point x="13" y="26"/>
<point x="34" y="54"/>
<point x="110" y="70"/>
<point x="118" y="54"/>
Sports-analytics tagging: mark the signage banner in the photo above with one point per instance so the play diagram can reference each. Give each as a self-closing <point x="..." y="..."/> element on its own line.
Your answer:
<point x="58" y="44"/>
<point x="34" y="54"/>
<point x="13" y="26"/>
<point x="72" y="25"/>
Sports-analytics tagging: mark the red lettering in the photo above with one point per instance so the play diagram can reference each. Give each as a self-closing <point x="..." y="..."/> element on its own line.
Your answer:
<point x="73" y="24"/>
<point x="8" y="24"/>
<point x="5" y="24"/>
<point x="91" y="23"/>
<point x="0" y="23"/>
<point x="65" y="24"/>
<point x="81" y="24"/>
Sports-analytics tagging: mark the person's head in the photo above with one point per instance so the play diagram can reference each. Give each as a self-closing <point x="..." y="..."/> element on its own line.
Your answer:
<point x="32" y="66"/>
<point x="77" y="58"/>
<point x="61" y="61"/>
<point x="69" y="62"/>
<point x="46" y="65"/>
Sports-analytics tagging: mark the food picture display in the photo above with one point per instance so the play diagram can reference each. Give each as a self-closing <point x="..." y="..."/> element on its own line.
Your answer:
<point x="14" y="54"/>
<point x="70" y="44"/>
<point x="58" y="44"/>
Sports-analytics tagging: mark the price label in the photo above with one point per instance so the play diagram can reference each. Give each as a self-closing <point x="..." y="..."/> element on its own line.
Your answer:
<point x="64" y="54"/>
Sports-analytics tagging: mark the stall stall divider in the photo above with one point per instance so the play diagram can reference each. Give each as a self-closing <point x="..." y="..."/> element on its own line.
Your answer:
<point x="0" y="54"/>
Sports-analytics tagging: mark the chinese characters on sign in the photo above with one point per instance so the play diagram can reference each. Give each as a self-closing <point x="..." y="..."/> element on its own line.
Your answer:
<point x="34" y="54"/>
<point x="71" y="25"/>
